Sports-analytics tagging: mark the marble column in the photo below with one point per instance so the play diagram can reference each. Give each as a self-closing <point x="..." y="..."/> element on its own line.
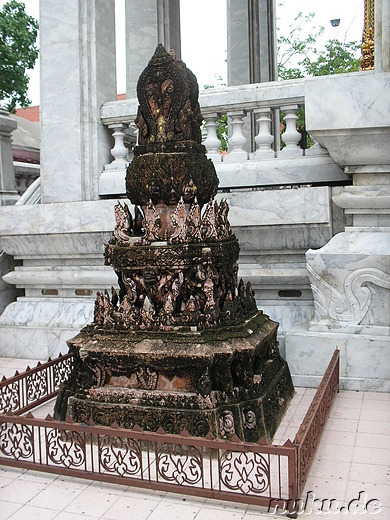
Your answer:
<point x="251" y="39"/>
<point x="148" y="23"/>
<point x="8" y="196"/>
<point x="252" y="51"/>
<point x="59" y="244"/>
<point x="8" y="193"/>
<point x="382" y="36"/>
<point x="78" y="74"/>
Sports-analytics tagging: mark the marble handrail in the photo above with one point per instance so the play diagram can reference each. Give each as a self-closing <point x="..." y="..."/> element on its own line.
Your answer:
<point x="254" y="156"/>
<point x="262" y="99"/>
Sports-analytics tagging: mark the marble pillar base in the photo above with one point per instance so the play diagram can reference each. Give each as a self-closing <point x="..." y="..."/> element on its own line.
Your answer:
<point x="363" y="358"/>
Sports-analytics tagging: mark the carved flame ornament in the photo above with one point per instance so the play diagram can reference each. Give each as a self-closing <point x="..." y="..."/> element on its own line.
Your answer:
<point x="182" y="343"/>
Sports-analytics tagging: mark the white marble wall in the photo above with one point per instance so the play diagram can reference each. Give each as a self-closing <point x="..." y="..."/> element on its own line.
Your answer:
<point x="61" y="248"/>
<point x="275" y="228"/>
<point x="382" y="36"/>
<point x="251" y="41"/>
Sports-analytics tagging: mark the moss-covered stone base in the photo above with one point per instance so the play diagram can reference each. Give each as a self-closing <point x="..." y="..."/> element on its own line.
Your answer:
<point x="226" y="381"/>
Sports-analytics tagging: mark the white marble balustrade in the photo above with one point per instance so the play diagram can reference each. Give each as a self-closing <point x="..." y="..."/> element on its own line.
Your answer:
<point x="254" y="144"/>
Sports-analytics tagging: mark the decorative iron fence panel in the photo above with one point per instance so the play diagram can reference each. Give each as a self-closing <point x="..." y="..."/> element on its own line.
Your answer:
<point x="33" y="387"/>
<point x="253" y="473"/>
<point x="309" y="434"/>
<point x="232" y="470"/>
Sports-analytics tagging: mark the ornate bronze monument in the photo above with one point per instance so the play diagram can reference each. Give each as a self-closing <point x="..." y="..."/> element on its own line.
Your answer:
<point x="182" y="346"/>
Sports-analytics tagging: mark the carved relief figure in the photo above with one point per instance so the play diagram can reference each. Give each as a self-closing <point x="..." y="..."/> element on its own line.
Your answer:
<point x="209" y="223"/>
<point x="193" y="222"/>
<point x="224" y="228"/>
<point x="151" y="223"/>
<point x="178" y="221"/>
<point x="124" y="222"/>
<point x="226" y="423"/>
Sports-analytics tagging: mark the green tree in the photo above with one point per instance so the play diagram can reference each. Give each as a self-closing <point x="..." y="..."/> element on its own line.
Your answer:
<point x="335" y="58"/>
<point x="18" y="53"/>
<point x="298" y="57"/>
<point x="294" y="47"/>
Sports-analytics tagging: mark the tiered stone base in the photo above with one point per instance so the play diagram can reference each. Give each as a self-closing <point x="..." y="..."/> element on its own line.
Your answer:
<point x="226" y="381"/>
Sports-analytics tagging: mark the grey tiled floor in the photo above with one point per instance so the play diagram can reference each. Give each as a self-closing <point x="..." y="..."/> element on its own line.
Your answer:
<point x="352" y="461"/>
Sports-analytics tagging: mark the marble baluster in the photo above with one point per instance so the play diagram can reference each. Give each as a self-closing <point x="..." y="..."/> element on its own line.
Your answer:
<point x="264" y="139"/>
<point x="212" y="143"/>
<point x="291" y="136"/>
<point x="114" y="173"/>
<point x="119" y="151"/>
<point x="237" y="139"/>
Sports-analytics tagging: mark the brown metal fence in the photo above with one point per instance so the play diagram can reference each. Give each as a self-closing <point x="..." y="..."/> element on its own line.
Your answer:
<point x="309" y="434"/>
<point x="252" y="473"/>
<point x="33" y="387"/>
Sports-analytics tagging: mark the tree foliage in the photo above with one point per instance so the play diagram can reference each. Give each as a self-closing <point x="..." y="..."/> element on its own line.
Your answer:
<point x="18" y="53"/>
<point x="299" y="56"/>
<point x="335" y="58"/>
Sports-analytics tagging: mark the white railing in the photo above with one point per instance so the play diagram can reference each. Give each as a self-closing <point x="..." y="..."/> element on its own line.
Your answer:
<point x="254" y="134"/>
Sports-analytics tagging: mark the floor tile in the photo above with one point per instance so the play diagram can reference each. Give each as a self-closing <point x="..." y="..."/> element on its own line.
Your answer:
<point x="11" y="472"/>
<point x="378" y="396"/>
<point x="7" y="509"/>
<point x="73" y="481"/>
<point x="21" y="492"/>
<point x="370" y="473"/>
<point x="34" y="513"/>
<point x="330" y="469"/>
<point x="131" y="508"/>
<point x="350" y="394"/>
<point x="91" y="503"/>
<point x="337" y="437"/>
<point x="375" y="440"/>
<point x="348" y="402"/>
<point x="326" y="488"/>
<point x="4" y="481"/>
<point x="332" y="452"/>
<point x="208" y="513"/>
<point x="343" y="425"/>
<point x="174" y="511"/>
<point x="380" y="492"/>
<point x="384" y="514"/>
<point x="342" y="412"/>
<point x="106" y="487"/>
<point x="370" y="455"/>
<point x="377" y="416"/>
<point x="366" y="426"/>
<point x="56" y="496"/>
<point x="75" y="516"/>
<point x="375" y="404"/>
<point x="144" y="494"/>
<point x="38" y="476"/>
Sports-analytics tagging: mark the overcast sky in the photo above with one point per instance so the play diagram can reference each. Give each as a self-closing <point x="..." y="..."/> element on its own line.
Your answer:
<point x="203" y="32"/>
